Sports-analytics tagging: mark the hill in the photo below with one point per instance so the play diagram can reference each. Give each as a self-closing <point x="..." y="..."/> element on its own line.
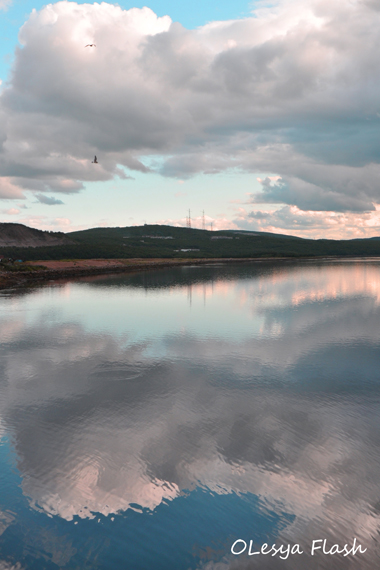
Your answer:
<point x="18" y="235"/>
<point x="168" y="242"/>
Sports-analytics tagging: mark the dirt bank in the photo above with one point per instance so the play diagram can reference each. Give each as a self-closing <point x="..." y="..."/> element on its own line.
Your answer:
<point x="38" y="272"/>
<point x="66" y="269"/>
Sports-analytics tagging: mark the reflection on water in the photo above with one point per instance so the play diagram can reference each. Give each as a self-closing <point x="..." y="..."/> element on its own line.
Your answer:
<point x="150" y="420"/>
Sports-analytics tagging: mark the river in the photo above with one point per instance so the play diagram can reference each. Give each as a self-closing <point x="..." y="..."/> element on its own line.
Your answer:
<point x="163" y="420"/>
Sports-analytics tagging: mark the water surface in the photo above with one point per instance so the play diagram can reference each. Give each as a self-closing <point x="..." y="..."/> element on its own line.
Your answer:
<point x="148" y="421"/>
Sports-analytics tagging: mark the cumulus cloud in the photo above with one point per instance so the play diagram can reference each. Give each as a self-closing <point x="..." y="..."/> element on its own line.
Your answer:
<point x="292" y="220"/>
<point x="292" y="91"/>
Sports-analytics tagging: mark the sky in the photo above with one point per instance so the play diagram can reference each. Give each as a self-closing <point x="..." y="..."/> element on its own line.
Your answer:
<point x="264" y="115"/>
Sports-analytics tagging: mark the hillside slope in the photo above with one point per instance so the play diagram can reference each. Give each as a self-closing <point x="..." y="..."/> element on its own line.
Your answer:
<point x="18" y="235"/>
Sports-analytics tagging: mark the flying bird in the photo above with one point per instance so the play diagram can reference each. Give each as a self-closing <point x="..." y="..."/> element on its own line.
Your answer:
<point x="95" y="161"/>
<point x="90" y="45"/>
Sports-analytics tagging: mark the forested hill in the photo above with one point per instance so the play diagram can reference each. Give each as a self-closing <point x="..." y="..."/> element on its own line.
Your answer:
<point x="153" y="241"/>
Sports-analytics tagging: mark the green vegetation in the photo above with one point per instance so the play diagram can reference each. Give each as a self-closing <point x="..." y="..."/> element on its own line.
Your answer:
<point x="145" y="242"/>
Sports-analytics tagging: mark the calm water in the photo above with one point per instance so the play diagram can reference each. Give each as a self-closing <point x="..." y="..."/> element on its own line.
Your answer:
<point x="149" y="421"/>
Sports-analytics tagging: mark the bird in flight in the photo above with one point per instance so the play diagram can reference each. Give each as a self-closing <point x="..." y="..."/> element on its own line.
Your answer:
<point x="95" y="161"/>
<point x="90" y="45"/>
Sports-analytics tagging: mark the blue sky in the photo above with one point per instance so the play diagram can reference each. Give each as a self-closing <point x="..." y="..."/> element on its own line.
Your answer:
<point x="264" y="115"/>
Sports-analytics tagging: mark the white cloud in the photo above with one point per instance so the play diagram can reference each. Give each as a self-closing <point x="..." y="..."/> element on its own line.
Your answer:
<point x="293" y="91"/>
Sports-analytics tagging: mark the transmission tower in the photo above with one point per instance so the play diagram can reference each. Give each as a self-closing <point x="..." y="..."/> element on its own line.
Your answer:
<point x="212" y="225"/>
<point x="188" y="220"/>
<point x="203" y="221"/>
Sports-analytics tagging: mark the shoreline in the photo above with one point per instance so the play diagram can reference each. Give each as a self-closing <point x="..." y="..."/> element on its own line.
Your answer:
<point x="83" y="268"/>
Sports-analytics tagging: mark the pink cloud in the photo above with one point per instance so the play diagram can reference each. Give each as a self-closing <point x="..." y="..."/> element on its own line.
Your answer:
<point x="290" y="220"/>
<point x="9" y="190"/>
<point x="52" y="224"/>
<point x="219" y="223"/>
<point x="11" y="212"/>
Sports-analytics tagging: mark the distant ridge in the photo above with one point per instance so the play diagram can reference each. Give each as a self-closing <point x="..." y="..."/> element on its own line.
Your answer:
<point x="169" y="242"/>
<point x="18" y="235"/>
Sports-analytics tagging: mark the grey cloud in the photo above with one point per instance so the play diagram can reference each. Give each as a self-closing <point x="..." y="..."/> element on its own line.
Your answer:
<point x="287" y="219"/>
<point x="309" y="196"/>
<point x="45" y="184"/>
<point x="49" y="200"/>
<point x="315" y="186"/>
<point x="293" y="91"/>
<point x="259" y="215"/>
<point x="372" y="4"/>
<point x="187" y="164"/>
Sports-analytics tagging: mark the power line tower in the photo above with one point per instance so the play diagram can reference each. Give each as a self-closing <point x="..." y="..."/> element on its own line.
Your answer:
<point x="188" y="220"/>
<point x="212" y="226"/>
<point x="203" y="221"/>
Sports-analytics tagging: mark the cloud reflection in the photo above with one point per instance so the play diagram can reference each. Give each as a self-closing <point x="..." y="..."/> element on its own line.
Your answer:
<point x="101" y="422"/>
